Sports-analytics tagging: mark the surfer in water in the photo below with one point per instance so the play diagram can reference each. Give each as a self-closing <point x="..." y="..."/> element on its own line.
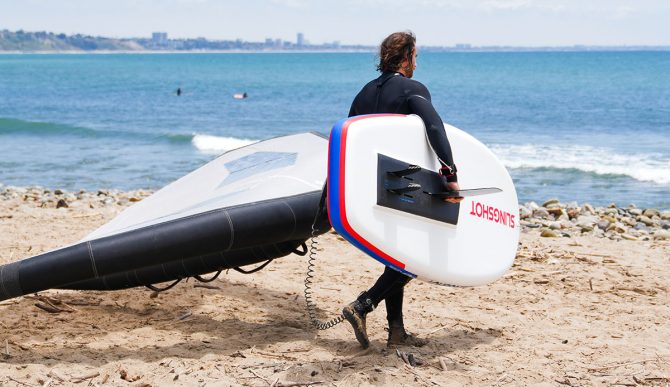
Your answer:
<point x="394" y="91"/>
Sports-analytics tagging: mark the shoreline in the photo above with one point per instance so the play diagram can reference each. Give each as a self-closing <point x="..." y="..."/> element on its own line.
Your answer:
<point x="551" y="219"/>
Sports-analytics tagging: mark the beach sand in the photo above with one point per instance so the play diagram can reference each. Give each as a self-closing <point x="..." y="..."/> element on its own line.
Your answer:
<point x="571" y="311"/>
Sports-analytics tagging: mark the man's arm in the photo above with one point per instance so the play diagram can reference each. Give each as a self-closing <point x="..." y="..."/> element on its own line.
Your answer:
<point x="419" y="103"/>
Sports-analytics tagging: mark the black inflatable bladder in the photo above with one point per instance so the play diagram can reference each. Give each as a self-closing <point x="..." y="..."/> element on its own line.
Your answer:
<point x="191" y="267"/>
<point x="249" y="205"/>
<point x="233" y="231"/>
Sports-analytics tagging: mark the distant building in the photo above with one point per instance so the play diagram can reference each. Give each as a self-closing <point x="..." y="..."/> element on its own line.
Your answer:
<point x="159" y="38"/>
<point x="463" y="46"/>
<point x="300" y="41"/>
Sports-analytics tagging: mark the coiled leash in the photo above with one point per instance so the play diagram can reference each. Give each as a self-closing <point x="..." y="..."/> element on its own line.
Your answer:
<point x="313" y="244"/>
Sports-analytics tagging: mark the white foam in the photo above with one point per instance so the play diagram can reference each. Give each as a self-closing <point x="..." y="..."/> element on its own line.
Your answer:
<point x="216" y="145"/>
<point x="602" y="161"/>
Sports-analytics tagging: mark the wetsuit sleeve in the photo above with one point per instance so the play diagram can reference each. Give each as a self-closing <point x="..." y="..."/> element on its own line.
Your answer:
<point x="420" y="104"/>
<point x="352" y="110"/>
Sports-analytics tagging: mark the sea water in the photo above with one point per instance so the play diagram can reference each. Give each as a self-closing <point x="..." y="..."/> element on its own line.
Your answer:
<point x="580" y="126"/>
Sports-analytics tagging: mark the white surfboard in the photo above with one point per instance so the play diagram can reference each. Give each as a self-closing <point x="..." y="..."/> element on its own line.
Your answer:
<point x="374" y="201"/>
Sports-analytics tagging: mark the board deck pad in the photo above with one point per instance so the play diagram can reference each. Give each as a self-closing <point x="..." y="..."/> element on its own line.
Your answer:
<point x="416" y="202"/>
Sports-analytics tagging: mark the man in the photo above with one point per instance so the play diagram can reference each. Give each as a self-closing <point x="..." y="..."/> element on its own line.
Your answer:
<point x="395" y="92"/>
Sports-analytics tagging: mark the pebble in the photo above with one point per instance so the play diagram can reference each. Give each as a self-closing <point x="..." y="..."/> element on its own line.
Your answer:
<point x="551" y="202"/>
<point x="646" y="220"/>
<point x="547" y="233"/>
<point x="651" y="212"/>
<point x="573" y="213"/>
<point x="525" y="212"/>
<point x="585" y="226"/>
<point x="556" y="211"/>
<point x="662" y="234"/>
<point x="617" y="227"/>
<point x="532" y="206"/>
<point x="541" y="213"/>
<point x="604" y="224"/>
<point x="641" y="226"/>
<point x="628" y="237"/>
<point x="589" y="208"/>
<point x="635" y="211"/>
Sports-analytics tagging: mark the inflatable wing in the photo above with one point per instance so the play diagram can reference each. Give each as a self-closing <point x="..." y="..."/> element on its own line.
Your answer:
<point x="249" y="205"/>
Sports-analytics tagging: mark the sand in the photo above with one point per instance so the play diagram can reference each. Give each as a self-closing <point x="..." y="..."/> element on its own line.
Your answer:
<point x="571" y="311"/>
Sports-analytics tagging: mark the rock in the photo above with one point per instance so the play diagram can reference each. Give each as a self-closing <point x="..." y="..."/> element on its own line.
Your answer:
<point x="611" y="205"/>
<point x="529" y="224"/>
<point x="651" y="212"/>
<point x="644" y="219"/>
<point x="58" y="192"/>
<point x="566" y="224"/>
<point x="665" y="215"/>
<point x="574" y="212"/>
<point x="588" y="208"/>
<point x="524" y="212"/>
<point x="588" y="219"/>
<point x="662" y="234"/>
<point x="640" y="226"/>
<point x="563" y="218"/>
<point x="585" y="226"/>
<point x="629" y="222"/>
<point x="541" y="213"/>
<point x="628" y="237"/>
<point x="665" y="224"/>
<point x="532" y="206"/>
<point x="617" y="227"/>
<point x="635" y="211"/>
<point x="555" y="225"/>
<point x="604" y="224"/>
<point x="556" y="211"/>
<point x="551" y="202"/>
<point x="611" y="211"/>
<point x="547" y="233"/>
<point x="572" y="206"/>
<point x="62" y="203"/>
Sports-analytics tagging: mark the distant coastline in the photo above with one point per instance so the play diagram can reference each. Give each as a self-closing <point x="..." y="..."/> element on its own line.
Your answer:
<point x="21" y="42"/>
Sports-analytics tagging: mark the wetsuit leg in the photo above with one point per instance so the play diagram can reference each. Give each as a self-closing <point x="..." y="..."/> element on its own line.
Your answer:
<point x="389" y="283"/>
<point x="394" y="307"/>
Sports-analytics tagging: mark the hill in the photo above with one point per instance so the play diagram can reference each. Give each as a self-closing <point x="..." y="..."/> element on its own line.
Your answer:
<point x="48" y="41"/>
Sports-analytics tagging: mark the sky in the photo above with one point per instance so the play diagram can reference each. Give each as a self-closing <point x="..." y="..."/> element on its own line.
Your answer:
<point x="367" y="22"/>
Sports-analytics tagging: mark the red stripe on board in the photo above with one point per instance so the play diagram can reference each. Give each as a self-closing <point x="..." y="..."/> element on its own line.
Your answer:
<point x="343" y="208"/>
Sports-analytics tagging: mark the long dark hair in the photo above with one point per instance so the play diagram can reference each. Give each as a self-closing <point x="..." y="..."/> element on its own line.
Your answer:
<point x="395" y="49"/>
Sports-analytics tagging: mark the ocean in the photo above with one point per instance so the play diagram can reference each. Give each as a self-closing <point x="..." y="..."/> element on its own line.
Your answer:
<point x="579" y="126"/>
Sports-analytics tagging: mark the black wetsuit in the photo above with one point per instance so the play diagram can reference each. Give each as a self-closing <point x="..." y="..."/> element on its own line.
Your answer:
<point x="394" y="93"/>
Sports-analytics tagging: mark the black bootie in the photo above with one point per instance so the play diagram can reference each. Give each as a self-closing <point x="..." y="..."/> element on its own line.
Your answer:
<point x="399" y="337"/>
<point x="355" y="314"/>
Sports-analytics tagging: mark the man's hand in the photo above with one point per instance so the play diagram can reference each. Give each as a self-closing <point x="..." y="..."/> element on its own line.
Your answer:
<point x="453" y="186"/>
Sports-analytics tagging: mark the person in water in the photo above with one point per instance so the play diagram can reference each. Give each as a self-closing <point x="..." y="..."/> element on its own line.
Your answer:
<point x="394" y="91"/>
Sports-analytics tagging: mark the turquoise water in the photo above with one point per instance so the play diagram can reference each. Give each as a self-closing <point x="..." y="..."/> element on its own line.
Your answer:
<point x="588" y="126"/>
